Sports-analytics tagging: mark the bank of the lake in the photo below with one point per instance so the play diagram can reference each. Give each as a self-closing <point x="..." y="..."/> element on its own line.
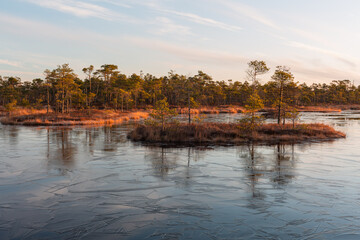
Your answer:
<point x="41" y="117"/>
<point x="233" y="133"/>
<point x="79" y="117"/>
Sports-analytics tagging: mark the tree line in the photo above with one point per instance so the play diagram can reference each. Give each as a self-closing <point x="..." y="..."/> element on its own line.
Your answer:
<point x="62" y="90"/>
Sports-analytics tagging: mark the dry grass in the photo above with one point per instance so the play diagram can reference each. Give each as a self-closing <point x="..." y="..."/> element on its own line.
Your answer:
<point x="24" y="111"/>
<point x="212" y="110"/>
<point x="83" y="117"/>
<point x="324" y="109"/>
<point x="224" y="134"/>
<point x="347" y="107"/>
<point x="237" y="109"/>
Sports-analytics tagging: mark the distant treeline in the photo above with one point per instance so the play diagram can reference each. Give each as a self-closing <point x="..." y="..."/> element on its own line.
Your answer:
<point x="62" y="90"/>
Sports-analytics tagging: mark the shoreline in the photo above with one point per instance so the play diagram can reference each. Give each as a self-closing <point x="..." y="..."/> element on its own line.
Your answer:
<point x="75" y="118"/>
<point x="32" y="117"/>
<point x="239" y="109"/>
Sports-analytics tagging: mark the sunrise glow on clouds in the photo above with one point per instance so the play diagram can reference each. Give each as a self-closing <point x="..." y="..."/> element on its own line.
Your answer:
<point x="318" y="40"/>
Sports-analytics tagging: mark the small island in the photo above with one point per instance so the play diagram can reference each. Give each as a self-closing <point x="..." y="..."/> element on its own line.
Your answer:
<point x="233" y="134"/>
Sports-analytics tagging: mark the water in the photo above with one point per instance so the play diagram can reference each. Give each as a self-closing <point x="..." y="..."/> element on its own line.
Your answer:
<point x="92" y="183"/>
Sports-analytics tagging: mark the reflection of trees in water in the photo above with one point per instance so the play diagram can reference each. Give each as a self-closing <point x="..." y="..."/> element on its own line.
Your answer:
<point x="63" y="144"/>
<point x="60" y="148"/>
<point x="276" y="166"/>
<point x="253" y="167"/>
<point x="11" y="133"/>
<point x="193" y="155"/>
<point x="164" y="159"/>
<point x="285" y="161"/>
<point x="196" y="154"/>
<point x="91" y="135"/>
<point x="112" y="138"/>
<point x="106" y="138"/>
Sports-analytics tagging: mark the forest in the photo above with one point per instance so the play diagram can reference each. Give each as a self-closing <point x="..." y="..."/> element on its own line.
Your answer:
<point x="61" y="90"/>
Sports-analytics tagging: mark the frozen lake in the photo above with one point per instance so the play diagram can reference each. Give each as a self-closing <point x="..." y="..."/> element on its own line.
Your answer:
<point x="92" y="183"/>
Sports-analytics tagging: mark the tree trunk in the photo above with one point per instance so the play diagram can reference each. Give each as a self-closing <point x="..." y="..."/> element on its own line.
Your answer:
<point x="162" y="123"/>
<point x="284" y="117"/>
<point x="189" y="108"/>
<point x="62" y="101"/>
<point x="122" y="103"/>
<point x="280" y="103"/>
<point x="48" y="100"/>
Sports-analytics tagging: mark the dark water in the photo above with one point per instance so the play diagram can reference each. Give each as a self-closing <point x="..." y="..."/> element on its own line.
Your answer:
<point x="92" y="183"/>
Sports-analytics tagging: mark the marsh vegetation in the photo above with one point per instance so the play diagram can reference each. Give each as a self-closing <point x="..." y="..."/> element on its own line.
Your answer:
<point x="233" y="134"/>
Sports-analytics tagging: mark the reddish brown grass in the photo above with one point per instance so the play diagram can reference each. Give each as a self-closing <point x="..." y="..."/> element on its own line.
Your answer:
<point x="223" y="133"/>
<point x="24" y="111"/>
<point x="347" y="107"/>
<point x="212" y="110"/>
<point x="83" y="117"/>
<point x="323" y="109"/>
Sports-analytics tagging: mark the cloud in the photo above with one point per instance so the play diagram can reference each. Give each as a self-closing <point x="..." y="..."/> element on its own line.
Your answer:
<point x="51" y="38"/>
<point x="155" y="6"/>
<point x="21" y="26"/>
<point x="9" y="63"/>
<point x="78" y="8"/>
<point x="115" y="3"/>
<point x="311" y="36"/>
<point x="25" y="27"/>
<point x="189" y="53"/>
<point x="339" y="57"/>
<point x="248" y="12"/>
<point x="201" y="20"/>
<point x="22" y="74"/>
<point x="166" y="26"/>
<point x="305" y="70"/>
<point x="323" y="74"/>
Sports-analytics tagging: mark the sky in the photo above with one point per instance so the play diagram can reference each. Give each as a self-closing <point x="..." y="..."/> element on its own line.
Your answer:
<point x="318" y="40"/>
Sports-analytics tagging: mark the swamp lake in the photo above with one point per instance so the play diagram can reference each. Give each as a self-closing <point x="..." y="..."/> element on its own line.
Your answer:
<point x="94" y="183"/>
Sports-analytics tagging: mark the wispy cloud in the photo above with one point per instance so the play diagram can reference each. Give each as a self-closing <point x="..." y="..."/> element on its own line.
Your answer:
<point x="167" y="26"/>
<point x="308" y="35"/>
<point x="201" y="20"/>
<point x="24" y="75"/>
<point x="9" y="63"/>
<point x="37" y="29"/>
<point x="339" y="57"/>
<point x="323" y="74"/>
<point x="114" y="2"/>
<point x="22" y="26"/>
<point x="190" y="53"/>
<point x="249" y="12"/>
<point x="78" y="8"/>
<point x="192" y="17"/>
<point x="56" y="36"/>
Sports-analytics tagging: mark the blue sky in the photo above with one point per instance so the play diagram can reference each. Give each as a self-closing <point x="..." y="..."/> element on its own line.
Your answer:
<point x="318" y="40"/>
